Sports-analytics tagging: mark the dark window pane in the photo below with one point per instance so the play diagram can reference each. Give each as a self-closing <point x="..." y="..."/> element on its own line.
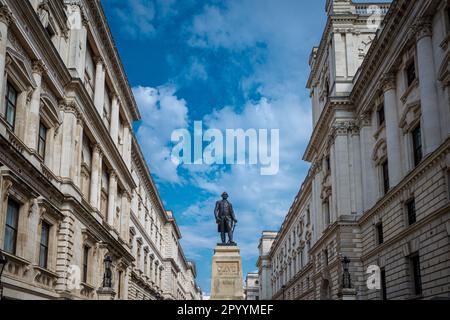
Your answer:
<point x="380" y="233"/>
<point x="411" y="73"/>
<point x="43" y="252"/>
<point x="415" y="262"/>
<point x="386" y="184"/>
<point x="381" y="116"/>
<point x="42" y="139"/>
<point x="383" y="284"/>
<point x="11" y="226"/>
<point x="417" y="145"/>
<point x="10" y="102"/>
<point x="85" y="263"/>
<point x="411" y="208"/>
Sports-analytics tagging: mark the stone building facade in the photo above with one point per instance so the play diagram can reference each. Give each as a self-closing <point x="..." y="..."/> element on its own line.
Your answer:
<point x="74" y="186"/>
<point x="251" y="288"/>
<point x="378" y="190"/>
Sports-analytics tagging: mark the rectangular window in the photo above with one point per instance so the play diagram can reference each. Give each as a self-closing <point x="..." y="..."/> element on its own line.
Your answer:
<point x="119" y="285"/>
<point x="85" y="263"/>
<point x="381" y="115"/>
<point x="326" y="208"/>
<point x="380" y="237"/>
<point x="411" y="210"/>
<point x="11" y="227"/>
<point x="383" y="284"/>
<point x="43" y="246"/>
<point x="411" y="73"/>
<point x="385" y="169"/>
<point x="10" y="103"/>
<point x="42" y="139"/>
<point x="328" y="164"/>
<point x="417" y="145"/>
<point x="325" y="255"/>
<point x="416" y="277"/>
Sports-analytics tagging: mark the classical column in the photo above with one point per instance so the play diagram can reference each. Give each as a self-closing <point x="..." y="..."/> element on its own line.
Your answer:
<point x="5" y="20"/>
<point x="112" y="193"/>
<point x="99" y="94"/>
<point x="114" y="128"/>
<point x="392" y="129"/>
<point x="95" y="175"/>
<point x="428" y="90"/>
<point x="341" y="166"/>
<point x="32" y="128"/>
<point x="369" y="178"/>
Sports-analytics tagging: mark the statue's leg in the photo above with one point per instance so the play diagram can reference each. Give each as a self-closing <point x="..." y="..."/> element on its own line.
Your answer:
<point x="222" y="236"/>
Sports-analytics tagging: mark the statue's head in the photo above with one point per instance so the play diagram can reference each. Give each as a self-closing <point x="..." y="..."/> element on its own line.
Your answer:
<point x="224" y="196"/>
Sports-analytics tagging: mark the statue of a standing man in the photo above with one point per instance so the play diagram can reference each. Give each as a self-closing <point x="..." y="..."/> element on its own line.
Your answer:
<point x="225" y="219"/>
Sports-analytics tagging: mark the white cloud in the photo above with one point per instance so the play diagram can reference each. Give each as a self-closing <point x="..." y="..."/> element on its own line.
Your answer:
<point x="162" y="112"/>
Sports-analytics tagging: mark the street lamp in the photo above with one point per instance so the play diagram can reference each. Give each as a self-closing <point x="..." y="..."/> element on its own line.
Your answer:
<point x="3" y="262"/>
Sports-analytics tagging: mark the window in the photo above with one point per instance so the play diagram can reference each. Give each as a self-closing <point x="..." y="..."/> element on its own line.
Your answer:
<point x="417" y="145"/>
<point x="385" y="171"/>
<point x="119" y="285"/>
<point x="411" y="210"/>
<point x="411" y="73"/>
<point x="381" y="115"/>
<point x="43" y="246"/>
<point x="326" y="208"/>
<point x="10" y="102"/>
<point x="383" y="284"/>
<point x="379" y="229"/>
<point x="325" y="255"/>
<point x="416" y="277"/>
<point x="11" y="226"/>
<point x="328" y="164"/>
<point x="85" y="263"/>
<point x="42" y="139"/>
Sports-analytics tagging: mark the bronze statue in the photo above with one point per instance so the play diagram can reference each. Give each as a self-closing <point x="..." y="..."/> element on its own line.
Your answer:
<point x="225" y="219"/>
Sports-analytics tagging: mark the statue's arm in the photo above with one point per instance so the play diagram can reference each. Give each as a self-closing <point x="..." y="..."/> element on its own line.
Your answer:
<point x="232" y="213"/>
<point x="216" y="211"/>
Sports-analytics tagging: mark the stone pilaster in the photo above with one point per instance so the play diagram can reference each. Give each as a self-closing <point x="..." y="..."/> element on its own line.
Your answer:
<point x="112" y="194"/>
<point x="64" y="250"/>
<point x="114" y="128"/>
<point x="125" y="216"/>
<point x="99" y="91"/>
<point x="428" y="86"/>
<point x="5" y="21"/>
<point x="95" y="175"/>
<point x="68" y="140"/>
<point x="32" y="120"/>
<point x="392" y="129"/>
<point x="77" y="39"/>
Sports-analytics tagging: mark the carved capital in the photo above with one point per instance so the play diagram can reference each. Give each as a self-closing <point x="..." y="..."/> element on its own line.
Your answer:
<point x="39" y="67"/>
<point x="423" y="28"/>
<point x="99" y="61"/>
<point x="388" y="82"/>
<point x="112" y="174"/>
<point x="365" y="120"/>
<point x="5" y="15"/>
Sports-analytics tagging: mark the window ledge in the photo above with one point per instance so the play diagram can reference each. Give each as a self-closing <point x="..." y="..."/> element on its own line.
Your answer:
<point x="379" y="131"/>
<point x="408" y="91"/>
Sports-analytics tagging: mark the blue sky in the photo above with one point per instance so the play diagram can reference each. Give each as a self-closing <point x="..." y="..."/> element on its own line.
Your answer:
<point x="231" y="64"/>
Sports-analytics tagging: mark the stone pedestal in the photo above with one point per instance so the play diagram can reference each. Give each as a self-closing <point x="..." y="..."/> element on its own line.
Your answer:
<point x="348" y="294"/>
<point x="106" y="294"/>
<point x="227" y="279"/>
